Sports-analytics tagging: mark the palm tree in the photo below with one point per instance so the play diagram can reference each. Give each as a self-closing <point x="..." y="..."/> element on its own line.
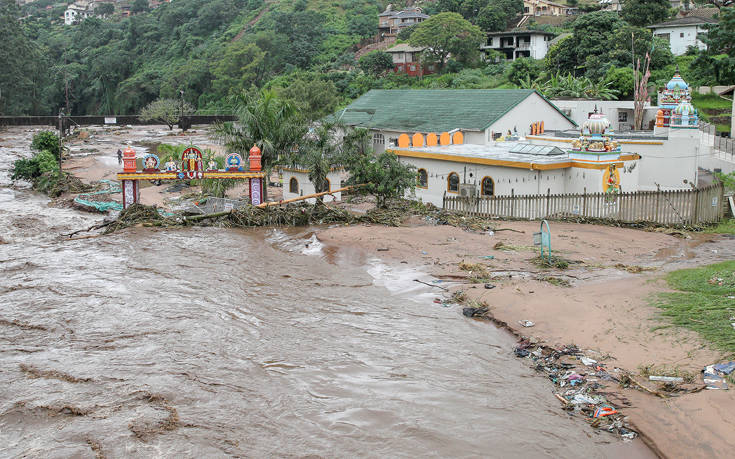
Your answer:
<point x="263" y="119"/>
<point x="319" y="153"/>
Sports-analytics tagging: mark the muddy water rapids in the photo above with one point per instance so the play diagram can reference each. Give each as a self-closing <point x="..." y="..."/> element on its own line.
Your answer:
<point x="259" y="343"/>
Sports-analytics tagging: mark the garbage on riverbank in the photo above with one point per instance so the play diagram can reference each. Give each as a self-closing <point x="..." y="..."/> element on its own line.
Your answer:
<point x="578" y="380"/>
<point x="715" y="376"/>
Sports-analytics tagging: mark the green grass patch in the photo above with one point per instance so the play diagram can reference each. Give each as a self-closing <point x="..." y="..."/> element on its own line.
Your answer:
<point x="702" y="302"/>
<point x="724" y="227"/>
<point x="706" y="101"/>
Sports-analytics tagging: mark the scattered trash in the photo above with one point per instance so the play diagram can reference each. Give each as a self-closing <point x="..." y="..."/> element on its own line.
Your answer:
<point x="627" y="434"/>
<point x="580" y="399"/>
<point x="487" y="257"/>
<point x="713" y="380"/>
<point x="579" y="385"/>
<point x="475" y="312"/>
<point x="587" y="361"/>
<point x="382" y="249"/>
<point x="725" y="368"/>
<point x="526" y="323"/>
<point x="444" y="303"/>
<point x="424" y="252"/>
<point x="604" y="411"/>
<point x="489" y="286"/>
<point x="666" y="379"/>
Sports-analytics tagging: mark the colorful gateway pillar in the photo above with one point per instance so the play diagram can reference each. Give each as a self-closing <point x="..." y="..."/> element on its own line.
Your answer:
<point x="190" y="167"/>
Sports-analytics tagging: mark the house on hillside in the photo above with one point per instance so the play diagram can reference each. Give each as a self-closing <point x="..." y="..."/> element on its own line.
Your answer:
<point x="683" y="32"/>
<point x="78" y="11"/>
<point x="407" y="59"/>
<point x="519" y="43"/>
<point x="544" y="8"/>
<point x="390" y="22"/>
<point x="481" y="115"/>
<point x="611" y="5"/>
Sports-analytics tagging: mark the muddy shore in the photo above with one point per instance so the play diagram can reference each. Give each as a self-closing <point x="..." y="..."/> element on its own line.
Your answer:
<point x="604" y="310"/>
<point x="601" y="304"/>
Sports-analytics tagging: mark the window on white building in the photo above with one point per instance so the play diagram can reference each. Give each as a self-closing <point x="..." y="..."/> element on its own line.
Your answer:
<point x="622" y="117"/>
<point x="378" y="139"/>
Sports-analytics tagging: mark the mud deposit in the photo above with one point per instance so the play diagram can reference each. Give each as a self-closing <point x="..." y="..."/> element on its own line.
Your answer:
<point x="211" y="342"/>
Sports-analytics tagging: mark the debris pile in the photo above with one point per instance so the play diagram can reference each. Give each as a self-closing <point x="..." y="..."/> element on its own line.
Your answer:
<point x="578" y="380"/>
<point x="139" y="214"/>
<point x="715" y="376"/>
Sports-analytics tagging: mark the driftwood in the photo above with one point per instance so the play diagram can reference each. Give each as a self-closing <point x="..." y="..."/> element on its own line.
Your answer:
<point x="431" y="285"/>
<point x="301" y="198"/>
<point x="509" y="229"/>
<point x="93" y="227"/>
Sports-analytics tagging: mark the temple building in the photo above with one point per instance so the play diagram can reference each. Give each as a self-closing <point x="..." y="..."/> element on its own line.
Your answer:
<point x="675" y="106"/>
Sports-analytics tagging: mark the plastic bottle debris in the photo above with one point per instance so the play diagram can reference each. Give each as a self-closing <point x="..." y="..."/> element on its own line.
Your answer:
<point x="725" y="368"/>
<point x="475" y="312"/>
<point x="582" y="399"/>
<point x="604" y="411"/>
<point x="666" y="379"/>
<point x="578" y="385"/>
<point x="526" y="323"/>
<point x="487" y="257"/>
<point x="713" y="379"/>
<point x="587" y="361"/>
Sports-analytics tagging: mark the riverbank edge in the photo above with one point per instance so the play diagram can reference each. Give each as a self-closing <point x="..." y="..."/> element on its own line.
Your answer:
<point x="639" y="426"/>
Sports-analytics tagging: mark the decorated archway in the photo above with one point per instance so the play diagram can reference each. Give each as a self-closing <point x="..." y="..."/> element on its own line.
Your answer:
<point x="190" y="167"/>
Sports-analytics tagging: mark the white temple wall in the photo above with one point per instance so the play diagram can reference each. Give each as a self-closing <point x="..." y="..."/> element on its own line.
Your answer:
<point x="532" y="109"/>
<point x="669" y="163"/>
<point x="305" y="187"/>
<point x="519" y="181"/>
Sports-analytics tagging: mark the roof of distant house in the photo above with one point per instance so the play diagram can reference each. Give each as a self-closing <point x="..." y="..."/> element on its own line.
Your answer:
<point x="433" y="110"/>
<point x="405" y="48"/>
<point x="559" y="38"/>
<point x="521" y="32"/>
<point x="699" y="12"/>
<point x="408" y="13"/>
<point x="684" y="22"/>
<point x="729" y="91"/>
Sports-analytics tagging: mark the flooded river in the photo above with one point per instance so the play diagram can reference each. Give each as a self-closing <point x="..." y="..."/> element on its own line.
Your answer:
<point x="211" y="343"/>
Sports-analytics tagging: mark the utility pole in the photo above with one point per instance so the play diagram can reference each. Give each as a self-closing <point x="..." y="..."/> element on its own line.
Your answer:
<point x="181" y="109"/>
<point x="61" y="136"/>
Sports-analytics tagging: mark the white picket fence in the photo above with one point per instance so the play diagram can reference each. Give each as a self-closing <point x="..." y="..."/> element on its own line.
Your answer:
<point x="673" y="208"/>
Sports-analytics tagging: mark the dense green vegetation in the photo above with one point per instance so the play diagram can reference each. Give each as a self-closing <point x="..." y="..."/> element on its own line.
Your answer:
<point x="208" y="52"/>
<point x="703" y="302"/>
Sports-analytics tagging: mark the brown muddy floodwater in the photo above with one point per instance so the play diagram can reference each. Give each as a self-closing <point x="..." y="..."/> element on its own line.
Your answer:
<point x="212" y="342"/>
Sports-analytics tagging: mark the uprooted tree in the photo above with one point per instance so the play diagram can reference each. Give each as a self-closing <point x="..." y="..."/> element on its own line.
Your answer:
<point x="382" y="176"/>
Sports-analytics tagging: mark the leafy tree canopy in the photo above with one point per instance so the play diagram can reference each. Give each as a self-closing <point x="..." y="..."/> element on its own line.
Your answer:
<point x="643" y="13"/>
<point x="445" y="34"/>
<point x="375" y="63"/>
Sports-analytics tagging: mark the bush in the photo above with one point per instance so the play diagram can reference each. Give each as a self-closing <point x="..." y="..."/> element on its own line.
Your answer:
<point x="32" y="168"/>
<point x="46" y="140"/>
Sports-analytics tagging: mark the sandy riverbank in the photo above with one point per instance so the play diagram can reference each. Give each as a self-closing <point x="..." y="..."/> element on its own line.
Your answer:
<point x="606" y="310"/>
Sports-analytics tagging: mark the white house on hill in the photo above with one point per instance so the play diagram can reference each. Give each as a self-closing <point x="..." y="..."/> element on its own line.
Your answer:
<point x="682" y="33"/>
<point x="519" y="43"/>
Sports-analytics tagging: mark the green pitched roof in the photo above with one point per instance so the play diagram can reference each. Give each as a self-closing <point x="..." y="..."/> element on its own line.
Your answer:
<point x="432" y="110"/>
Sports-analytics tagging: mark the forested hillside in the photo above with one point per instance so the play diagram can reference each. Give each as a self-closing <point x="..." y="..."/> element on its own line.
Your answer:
<point x="207" y="51"/>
